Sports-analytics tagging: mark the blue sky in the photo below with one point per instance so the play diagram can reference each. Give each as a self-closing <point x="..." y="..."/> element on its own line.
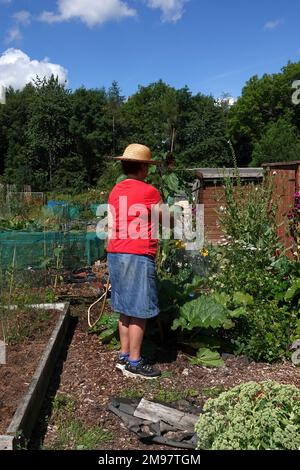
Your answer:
<point x="211" y="46"/>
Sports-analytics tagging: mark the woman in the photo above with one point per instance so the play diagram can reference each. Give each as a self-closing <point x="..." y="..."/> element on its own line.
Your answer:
<point x="132" y="246"/>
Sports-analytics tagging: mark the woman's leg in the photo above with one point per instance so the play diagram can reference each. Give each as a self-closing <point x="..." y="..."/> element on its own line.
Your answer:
<point x="136" y="365"/>
<point x="136" y="334"/>
<point x="124" y="334"/>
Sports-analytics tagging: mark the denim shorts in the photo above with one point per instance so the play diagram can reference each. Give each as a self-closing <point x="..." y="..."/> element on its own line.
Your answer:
<point x="133" y="285"/>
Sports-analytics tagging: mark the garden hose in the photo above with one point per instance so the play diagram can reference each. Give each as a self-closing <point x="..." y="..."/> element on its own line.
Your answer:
<point x="104" y="297"/>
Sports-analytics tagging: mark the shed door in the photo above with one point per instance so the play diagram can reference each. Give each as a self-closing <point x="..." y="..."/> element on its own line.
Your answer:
<point x="284" y="189"/>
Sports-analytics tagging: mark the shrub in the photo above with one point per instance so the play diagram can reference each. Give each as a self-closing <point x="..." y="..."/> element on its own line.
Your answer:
<point x="252" y="416"/>
<point x="249" y="215"/>
<point x="265" y="332"/>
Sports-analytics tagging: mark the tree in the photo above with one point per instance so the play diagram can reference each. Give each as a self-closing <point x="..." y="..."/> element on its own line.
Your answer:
<point x="152" y="115"/>
<point x="279" y="143"/>
<point x="263" y="101"/>
<point x="47" y="132"/>
<point x="165" y="119"/>
<point x="91" y="128"/>
<point x="201" y="135"/>
<point x="14" y="117"/>
<point x="70" y="175"/>
<point x="115" y="103"/>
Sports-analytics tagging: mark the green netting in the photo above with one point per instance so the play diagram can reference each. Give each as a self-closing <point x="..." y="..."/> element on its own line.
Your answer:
<point x="94" y="208"/>
<point x="39" y="249"/>
<point x="64" y="212"/>
<point x="68" y="212"/>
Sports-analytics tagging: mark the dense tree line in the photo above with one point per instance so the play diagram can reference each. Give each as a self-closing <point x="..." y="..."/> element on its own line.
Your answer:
<point x="56" y="139"/>
<point x="53" y="138"/>
<point x="264" y="124"/>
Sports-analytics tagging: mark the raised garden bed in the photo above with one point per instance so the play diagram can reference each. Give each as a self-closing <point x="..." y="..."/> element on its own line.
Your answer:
<point x="35" y="335"/>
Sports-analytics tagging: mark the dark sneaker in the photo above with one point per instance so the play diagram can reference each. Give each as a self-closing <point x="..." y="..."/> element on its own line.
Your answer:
<point x="142" y="369"/>
<point x="121" y="362"/>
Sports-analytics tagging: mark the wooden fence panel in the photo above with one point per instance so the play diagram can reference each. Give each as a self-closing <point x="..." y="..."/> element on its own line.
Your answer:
<point x="284" y="198"/>
<point x="286" y="177"/>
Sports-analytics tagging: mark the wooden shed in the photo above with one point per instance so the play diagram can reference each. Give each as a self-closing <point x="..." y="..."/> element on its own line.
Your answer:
<point x="209" y="190"/>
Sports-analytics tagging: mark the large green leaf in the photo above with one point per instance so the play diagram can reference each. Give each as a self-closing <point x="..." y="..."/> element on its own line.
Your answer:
<point x="208" y="358"/>
<point x="171" y="182"/>
<point x="179" y="323"/>
<point x="242" y="299"/>
<point x="189" y="288"/>
<point x="203" y="312"/>
<point x="110" y="320"/>
<point x="228" y="324"/>
<point x="113" y="320"/>
<point x="293" y="291"/>
<point x="221" y="298"/>
<point x="104" y="319"/>
<point x="107" y="335"/>
<point x="238" y="312"/>
<point x="111" y="324"/>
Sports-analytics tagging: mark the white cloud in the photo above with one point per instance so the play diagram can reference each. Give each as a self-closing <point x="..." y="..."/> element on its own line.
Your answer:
<point x="271" y="25"/>
<point x="23" y="17"/>
<point x="172" y="10"/>
<point x="17" y="69"/>
<point x="91" y="12"/>
<point x="13" y="34"/>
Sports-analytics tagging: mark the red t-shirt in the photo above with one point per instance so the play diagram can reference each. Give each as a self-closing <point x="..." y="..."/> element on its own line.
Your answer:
<point x="134" y="231"/>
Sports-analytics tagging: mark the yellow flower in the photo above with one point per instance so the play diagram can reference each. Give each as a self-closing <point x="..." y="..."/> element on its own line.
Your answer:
<point x="204" y="252"/>
<point x="180" y="245"/>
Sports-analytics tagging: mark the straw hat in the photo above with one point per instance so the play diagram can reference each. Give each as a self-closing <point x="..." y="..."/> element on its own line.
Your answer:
<point x="137" y="153"/>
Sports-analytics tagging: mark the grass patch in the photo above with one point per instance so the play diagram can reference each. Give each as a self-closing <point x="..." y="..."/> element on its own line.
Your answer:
<point x="167" y="374"/>
<point x="157" y="391"/>
<point x="62" y="405"/>
<point x="166" y="395"/>
<point x="72" y="434"/>
<point x="132" y="393"/>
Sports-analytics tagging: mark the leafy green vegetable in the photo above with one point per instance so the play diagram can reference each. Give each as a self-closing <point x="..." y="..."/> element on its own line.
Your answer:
<point x="203" y="312"/>
<point x="208" y="358"/>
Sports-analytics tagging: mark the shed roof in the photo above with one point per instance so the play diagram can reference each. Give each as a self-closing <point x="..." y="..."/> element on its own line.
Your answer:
<point x="219" y="173"/>
<point x="294" y="163"/>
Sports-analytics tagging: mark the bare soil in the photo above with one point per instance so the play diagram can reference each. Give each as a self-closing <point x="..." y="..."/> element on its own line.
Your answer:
<point x="27" y="342"/>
